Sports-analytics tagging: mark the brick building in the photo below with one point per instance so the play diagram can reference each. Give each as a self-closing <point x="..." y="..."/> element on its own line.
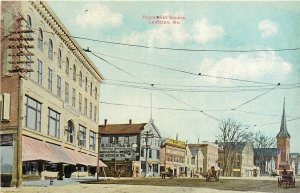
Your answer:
<point x="49" y="97"/>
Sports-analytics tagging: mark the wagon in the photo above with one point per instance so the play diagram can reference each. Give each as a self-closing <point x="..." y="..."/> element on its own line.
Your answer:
<point x="211" y="174"/>
<point x="287" y="180"/>
<point x="167" y="173"/>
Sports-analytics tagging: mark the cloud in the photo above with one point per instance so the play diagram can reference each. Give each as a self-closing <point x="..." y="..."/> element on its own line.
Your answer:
<point x="162" y="35"/>
<point x="267" y="28"/>
<point x="247" y="66"/>
<point x="204" y="32"/>
<point x="166" y="34"/>
<point x="97" y="16"/>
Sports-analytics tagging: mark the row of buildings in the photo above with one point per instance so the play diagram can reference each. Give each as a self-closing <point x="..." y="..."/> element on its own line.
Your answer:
<point x="49" y="112"/>
<point x="135" y="150"/>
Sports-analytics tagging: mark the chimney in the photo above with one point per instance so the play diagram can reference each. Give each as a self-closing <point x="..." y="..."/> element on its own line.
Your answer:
<point x="105" y="122"/>
<point x="130" y="121"/>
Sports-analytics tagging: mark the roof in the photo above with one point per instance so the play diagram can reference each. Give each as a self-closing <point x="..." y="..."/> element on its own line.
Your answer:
<point x="271" y="152"/>
<point x="117" y="129"/>
<point x="239" y="146"/>
<point x="283" y="128"/>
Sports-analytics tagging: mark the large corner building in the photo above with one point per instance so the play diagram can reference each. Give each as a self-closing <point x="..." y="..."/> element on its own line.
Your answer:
<point x="49" y="97"/>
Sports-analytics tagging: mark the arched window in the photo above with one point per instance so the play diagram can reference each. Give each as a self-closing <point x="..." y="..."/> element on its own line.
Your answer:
<point x="50" y="50"/>
<point x="86" y="83"/>
<point x="59" y="58"/>
<point x="70" y="132"/>
<point x="67" y="66"/>
<point x="74" y="72"/>
<point x="29" y="25"/>
<point x="80" y="78"/>
<point x="40" y="39"/>
<point x="91" y="89"/>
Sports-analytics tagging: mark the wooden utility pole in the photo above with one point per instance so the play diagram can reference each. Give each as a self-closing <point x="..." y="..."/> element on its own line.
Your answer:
<point x="98" y="153"/>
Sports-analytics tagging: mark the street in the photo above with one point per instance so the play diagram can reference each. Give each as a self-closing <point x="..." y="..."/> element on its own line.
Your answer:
<point x="149" y="185"/>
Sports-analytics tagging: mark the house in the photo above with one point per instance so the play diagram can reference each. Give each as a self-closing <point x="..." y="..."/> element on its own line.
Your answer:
<point x="131" y="149"/>
<point x="194" y="160"/>
<point x="210" y="154"/>
<point x="241" y="159"/>
<point x="295" y="158"/>
<point x="49" y="100"/>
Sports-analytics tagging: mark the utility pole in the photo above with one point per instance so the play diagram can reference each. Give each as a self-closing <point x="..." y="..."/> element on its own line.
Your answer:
<point x="19" y="50"/>
<point x="98" y="153"/>
<point x="148" y="134"/>
<point x="198" y="156"/>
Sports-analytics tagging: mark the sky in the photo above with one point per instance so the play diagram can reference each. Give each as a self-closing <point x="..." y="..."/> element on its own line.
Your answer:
<point x="193" y="25"/>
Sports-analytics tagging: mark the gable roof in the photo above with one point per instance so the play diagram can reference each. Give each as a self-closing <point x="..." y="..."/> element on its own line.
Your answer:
<point x="119" y="129"/>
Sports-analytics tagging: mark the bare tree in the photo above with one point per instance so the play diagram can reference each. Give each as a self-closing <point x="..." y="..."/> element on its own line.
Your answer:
<point x="231" y="132"/>
<point x="263" y="149"/>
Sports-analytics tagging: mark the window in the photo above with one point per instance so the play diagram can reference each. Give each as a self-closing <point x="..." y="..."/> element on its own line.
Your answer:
<point x="33" y="114"/>
<point x="29" y="26"/>
<point x="74" y="72"/>
<point x="59" y="58"/>
<point x="40" y="39"/>
<point x="73" y="97"/>
<point x="126" y="140"/>
<point x="70" y="132"/>
<point x="82" y="136"/>
<point x="91" y="89"/>
<point x="157" y="154"/>
<point x="96" y="92"/>
<point x="58" y="86"/>
<point x="111" y="139"/>
<point x="95" y="113"/>
<point x="28" y="65"/>
<point x="49" y="79"/>
<point x="50" y="49"/>
<point x="85" y="106"/>
<point x="80" y="78"/>
<point x="92" y="140"/>
<point x="91" y="110"/>
<point x="67" y="66"/>
<point x="142" y="152"/>
<point x="86" y="83"/>
<point x="80" y="102"/>
<point x="53" y="123"/>
<point x="155" y="168"/>
<point x="150" y="153"/>
<point x="66" y="92"/>
<point x="40" y="72"/>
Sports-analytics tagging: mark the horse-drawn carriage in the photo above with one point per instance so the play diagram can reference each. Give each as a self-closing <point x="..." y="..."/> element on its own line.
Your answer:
<point x="211" y="174"/>
<point x="167" y="173"/>
<point x="287" y="179"/>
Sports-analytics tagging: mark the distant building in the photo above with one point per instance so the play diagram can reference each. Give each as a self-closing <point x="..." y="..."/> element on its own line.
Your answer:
<point x="194" y="160"/>
<point x="210" y="154"/>
<point x="295" y="158"/>
<point x="264" y="158"/>
<point x="243" y="165"/>
<point x="123" y="148"/>
<point x="172" y="155"/>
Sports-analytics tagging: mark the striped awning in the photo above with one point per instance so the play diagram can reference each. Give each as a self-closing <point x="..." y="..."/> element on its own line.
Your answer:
<point x="33" y="149"/>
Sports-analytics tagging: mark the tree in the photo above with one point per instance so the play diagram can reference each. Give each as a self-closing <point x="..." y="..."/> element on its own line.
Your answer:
<point x="264" y="149"/>
<point x="231" y="133"/>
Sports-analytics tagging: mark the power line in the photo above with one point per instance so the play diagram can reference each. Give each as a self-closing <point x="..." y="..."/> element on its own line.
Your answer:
<point x="175" y="98"/>
<point x="186" y="72"/>
<point x="187" y="49"/>
<point x="255" y="97"/>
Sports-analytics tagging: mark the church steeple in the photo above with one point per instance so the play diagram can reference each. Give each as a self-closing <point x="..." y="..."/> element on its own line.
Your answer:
<point x="283" y="128"/>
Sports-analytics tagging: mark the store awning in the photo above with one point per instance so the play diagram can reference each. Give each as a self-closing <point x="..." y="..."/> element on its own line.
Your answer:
<point x="33" y="149"/>
<point x="93" y="161"/>
<point x="61" y="154"/>
<point x="76" y="157"/>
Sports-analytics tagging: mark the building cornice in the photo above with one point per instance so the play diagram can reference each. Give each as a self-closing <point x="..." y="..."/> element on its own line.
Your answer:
<point x="54" y="22"/>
